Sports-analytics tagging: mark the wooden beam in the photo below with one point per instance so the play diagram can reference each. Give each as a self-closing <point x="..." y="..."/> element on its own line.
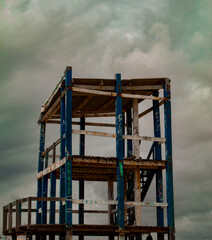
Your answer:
<point x="94" y="115"/>
<point x="106" y="104"/>
<point x="103" y="162"/>
<point x="113" y="94"/>
<point x="95" y="124"/>
<point x="10" y="217"/>
<point x="53" y="108"/>
<point x="110" y="197"/>
<point x="82" y="104"/>
<point x="136" y="150"/>
<point x="112" y="135"/>
<point x="29" y="211"/>
<point x="150" y="109"/>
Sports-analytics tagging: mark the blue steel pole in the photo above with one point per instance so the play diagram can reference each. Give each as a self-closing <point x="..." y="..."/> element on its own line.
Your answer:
<point x="40" y="168"/>
<point x="81" y="182"/>
<point x="119" y="153"/>
<point x="62" y="168"/>
<point x="159" y="176"/>
<point x="68" y="146"/>
<point x="169" y="168"/>
<point x="52" y="191"/>
<point x="44" y="193"/>
<point x="62" y="155"/>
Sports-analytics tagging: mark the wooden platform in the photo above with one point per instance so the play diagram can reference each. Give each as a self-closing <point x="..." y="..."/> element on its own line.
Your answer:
<point x="92" y="168"/>
<point x="97" y="104"/>
<point x="86" y="230"/>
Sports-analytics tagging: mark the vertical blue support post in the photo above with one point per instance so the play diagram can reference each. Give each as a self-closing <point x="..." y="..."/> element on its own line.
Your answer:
<point x="44" y="193"/>
<point x="159" y="176"/>
<point x="68" y="147"/>
<point x="119" y="153"/>
<point x="40" y="168"/>
<point x="169" y="169"/>
<point x="81" y="182"/>
<point x="52" y="191"/>
<point x="62" y="155"/>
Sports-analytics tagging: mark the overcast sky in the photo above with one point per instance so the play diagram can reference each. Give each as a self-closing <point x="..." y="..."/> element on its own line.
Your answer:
<point x="146" y="38"/>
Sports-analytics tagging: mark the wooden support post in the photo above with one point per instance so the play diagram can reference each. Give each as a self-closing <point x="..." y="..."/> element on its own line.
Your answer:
<point x="14" y="237"/>
<point x="52" y="192"/>
<point x="158" y="155"/>
<point x="62" y="168"/>
<point x="10" y="217"/>
<point x="40" y="168"/>
<point x="28" y="236"/>
<point x="136" y="150"/>
<point x="44" y="193"/>
<point x="129" y="132"/>
<point x="169" y="170"/>
<point x="125" y="199"/>
<point x="68" y="147"/>
<point x="29" y="211"/>
<point x="68" y="234"/>
<point x="81" y="182"/>
<point x="110" y="197"/>
<point x="123" y="117"/>
<point x="4" y="220"/>
<point x="119" y="153"/>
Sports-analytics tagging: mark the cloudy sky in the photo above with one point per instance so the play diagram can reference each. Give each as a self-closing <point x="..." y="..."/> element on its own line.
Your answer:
<point x="146" y="38"/>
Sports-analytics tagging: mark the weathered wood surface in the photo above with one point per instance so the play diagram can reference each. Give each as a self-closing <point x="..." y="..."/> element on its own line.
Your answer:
<point x="101" y="162"/>
<point x="87" y="230"/>
<point x="113" y="135"/>
<point x="113" y="94"/>
<point x="124" y="88"/>
<point x="150" y="109"/>
<point x="54" y="108"/>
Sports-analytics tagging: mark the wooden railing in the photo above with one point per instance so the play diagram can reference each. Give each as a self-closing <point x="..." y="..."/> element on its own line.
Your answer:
<point x="13" y="212"/>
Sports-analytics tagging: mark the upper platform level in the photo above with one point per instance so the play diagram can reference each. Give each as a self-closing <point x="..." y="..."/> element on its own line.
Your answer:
<point x="93" y="97"/>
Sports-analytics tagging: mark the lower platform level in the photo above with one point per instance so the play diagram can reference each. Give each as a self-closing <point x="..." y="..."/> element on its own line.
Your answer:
<point x="85" y="230"/>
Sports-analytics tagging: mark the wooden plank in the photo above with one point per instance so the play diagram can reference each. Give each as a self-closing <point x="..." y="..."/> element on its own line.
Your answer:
<point x="82" y="104"/>
<point x="10" y="217"/>
<point x="94" y="115"/>
<point x="95" y="124"/>
<point x="17" y="214"/>
<point x="4" y="219"/>
<point x="51" y="168"/>
<point x="51" y="147"/>
<point x="113" y="94"/>
<point x="136" y="150"/>
<point x="102" y="162"/>
<point x="54" y="108"/>
<point x="45" y="105"/>
<point x="115" y="202"/>
<point x="110" y="197"/>
<point x="150" y="109"/>
<point x="94" y="133"/>
<point x="112" y="135"/>
<point x="29" y="211"/>
<point x="106" y="104"/>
